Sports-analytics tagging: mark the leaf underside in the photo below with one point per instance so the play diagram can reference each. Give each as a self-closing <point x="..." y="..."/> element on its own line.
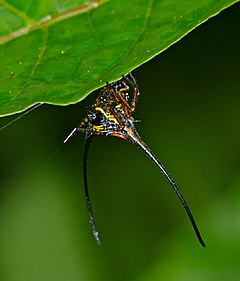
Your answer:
<point x="61" y="51"/>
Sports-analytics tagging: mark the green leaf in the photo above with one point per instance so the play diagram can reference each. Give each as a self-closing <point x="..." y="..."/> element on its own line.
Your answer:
<point x="59" y="51"/>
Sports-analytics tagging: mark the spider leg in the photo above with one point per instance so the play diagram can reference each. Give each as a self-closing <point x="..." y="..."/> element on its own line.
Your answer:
<point x="119" y="121"/>
<point x="136" y="92"/>
<point x="120" y="99"/>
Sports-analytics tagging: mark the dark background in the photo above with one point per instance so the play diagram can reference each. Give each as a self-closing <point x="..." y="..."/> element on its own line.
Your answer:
<point x="189" y="109"/>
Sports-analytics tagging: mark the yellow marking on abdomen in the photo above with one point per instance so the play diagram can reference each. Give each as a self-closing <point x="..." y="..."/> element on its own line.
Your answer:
<point x="98" y="128"/>
<point x="110" y="117"/>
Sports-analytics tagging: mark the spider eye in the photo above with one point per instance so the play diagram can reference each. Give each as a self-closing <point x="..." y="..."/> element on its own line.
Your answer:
<point x="97" y="118"/>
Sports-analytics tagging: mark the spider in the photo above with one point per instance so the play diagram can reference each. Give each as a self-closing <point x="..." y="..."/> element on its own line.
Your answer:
<point x="111" y="115"/>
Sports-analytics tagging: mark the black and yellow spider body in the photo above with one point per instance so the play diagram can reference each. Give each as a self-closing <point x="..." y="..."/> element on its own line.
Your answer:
<point x="111" y="115"/>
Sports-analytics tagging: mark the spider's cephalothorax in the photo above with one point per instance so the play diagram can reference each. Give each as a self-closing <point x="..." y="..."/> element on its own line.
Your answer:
<point x="111" y="115"/>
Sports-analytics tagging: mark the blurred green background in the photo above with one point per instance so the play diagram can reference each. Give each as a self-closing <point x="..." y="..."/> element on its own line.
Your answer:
<point x="190" y="119"/>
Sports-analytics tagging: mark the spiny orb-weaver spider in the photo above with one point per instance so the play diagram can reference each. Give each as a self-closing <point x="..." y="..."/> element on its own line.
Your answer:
<point x="111" y="115"/>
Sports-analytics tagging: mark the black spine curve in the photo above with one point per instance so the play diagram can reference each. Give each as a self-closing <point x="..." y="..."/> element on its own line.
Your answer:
<point x="90" y="214"/>
<point x="135" y="139"/>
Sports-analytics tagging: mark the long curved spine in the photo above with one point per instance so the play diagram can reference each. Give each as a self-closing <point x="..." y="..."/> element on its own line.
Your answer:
<point x="90" y="213"/>
<point x="134" y="138"/>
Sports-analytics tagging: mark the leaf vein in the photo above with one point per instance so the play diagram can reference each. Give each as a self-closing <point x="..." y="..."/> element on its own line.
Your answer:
<point x="147" y="16"/>
<point x="97" y="36"/>
<point x="40" y="56"/>
<point x="14" y="10"/>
